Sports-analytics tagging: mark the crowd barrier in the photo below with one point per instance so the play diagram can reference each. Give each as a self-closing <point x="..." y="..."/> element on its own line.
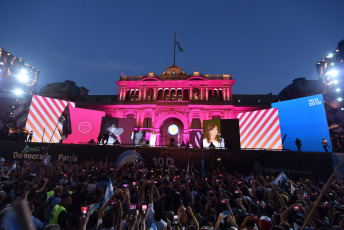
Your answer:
<point x="318" y="164"/>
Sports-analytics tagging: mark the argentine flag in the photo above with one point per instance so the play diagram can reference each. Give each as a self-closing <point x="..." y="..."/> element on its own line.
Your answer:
<point x="13" y="168"/>
<point x="280" y="178"/>
<point x="109" y="191"/>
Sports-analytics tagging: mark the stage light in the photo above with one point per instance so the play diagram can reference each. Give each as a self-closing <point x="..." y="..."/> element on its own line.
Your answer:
<point x="332" y="73"/>
<point x="335" y="81"/>
<point x="338" y="90"/>
<point x="332" y="63"/>
<point x="22" y="76"/>
<point x="18" y="92"/>
<point x="342" y="109"/>
<point x="1" y="63"/>
<point x="330" y="55"/>
<point x="339" y="99"/>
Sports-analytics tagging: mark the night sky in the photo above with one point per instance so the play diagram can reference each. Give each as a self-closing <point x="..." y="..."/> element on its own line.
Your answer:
<point x="264" y="44"/>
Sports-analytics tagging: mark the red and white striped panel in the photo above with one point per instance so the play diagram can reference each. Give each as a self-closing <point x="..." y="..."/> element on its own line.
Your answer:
<point x="260" y="129"/>
<point x="43" y="115"/>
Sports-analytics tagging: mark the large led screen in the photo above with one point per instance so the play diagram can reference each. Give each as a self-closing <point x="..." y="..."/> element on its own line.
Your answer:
<point x="260" y="129"/>
<point x="118" y="128"/>
<point x="43" y="118"/>
<point x="212" y="134"/>
<point x="85" y="125"/>
<point x="304" y="118"/>
<point x="230" y="133"/>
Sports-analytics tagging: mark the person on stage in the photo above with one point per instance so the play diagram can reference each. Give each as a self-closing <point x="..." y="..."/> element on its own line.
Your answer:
<point x="152" y="140"/>
<point x="212" y="137"/>
<point x="325" y="145"/>
<point x="30" y="136"/>
<point x="298" y="144"/>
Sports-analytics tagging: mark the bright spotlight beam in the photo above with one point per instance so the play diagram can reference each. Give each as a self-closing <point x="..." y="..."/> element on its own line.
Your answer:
<point x="18" y="92"/>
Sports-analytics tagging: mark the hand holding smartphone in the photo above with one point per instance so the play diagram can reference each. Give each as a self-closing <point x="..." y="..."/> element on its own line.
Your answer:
<point x="84" y="211"/>
<point x="175" y="220"/>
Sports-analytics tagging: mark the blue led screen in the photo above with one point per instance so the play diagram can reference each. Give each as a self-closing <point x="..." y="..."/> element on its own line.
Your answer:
<point x="304" y="118"/>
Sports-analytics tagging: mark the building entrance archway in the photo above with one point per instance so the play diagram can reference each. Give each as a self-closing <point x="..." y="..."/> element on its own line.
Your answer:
<point x="172" y="128"/>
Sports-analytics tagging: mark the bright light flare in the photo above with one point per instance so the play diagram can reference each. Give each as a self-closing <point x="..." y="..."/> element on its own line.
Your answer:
<point x="337" y="90"/>
<point x="332" y="73"/>
<point x="339" y="99"/>
<point x="18" y="92"/>
<point x="22" y="76"/>
<point x="335" y="81"/>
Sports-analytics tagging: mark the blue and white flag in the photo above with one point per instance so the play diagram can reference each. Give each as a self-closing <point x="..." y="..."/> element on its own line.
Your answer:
<point x="46" y="160"/>
<point x="249" y="177"/>
<point x="280" y="178"/>
<point x="109" y="191"/>
<point x="13" y="168"/>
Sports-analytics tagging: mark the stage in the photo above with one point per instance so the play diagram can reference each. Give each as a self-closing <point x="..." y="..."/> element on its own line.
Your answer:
<point x="294" y="164"/>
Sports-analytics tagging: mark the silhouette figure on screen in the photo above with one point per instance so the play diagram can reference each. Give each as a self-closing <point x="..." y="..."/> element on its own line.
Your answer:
<point x="298" y="144"/>
<point x="325" y="145"/>
<point x="30" y="137"/>
<point x="138" y="137"/>
<point x="105" y="138"/>
<point x="100" y="137"/>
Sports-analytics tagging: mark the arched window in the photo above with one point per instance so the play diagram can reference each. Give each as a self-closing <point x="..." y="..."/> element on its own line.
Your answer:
<point x="160" y="95"/>
<point x="196" y="123"/>
<point x="196" y="94"/>
<point x="210" y="95"/>
<point x="136" y="95"/>
<point x="149" y="94"/>
<point x="130" y="116"/>
<point x="173" y="95"/>
<point x="179" y="95"/>
<point x="185" y="95"/>
<point x="166" y="95"/>
<point x="220" y="95"/>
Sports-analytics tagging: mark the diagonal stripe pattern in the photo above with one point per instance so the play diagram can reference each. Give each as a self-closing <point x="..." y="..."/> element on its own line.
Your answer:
<point x="43" y="116"/>
<point x="260" y="129"/>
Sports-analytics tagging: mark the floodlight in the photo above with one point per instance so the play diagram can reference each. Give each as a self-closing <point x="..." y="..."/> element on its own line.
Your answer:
<point x="332" y="73"/>
<point x="330" y="55"/>
<point x="339" y="99"/>
<point x="338" y="90"/>
<point x="18" y="92"/>
<point x="335" y="81"/>
<point x="22" y="76"/>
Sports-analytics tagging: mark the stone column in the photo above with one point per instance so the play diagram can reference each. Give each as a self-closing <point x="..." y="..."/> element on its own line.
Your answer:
<point x="206" y="93"/>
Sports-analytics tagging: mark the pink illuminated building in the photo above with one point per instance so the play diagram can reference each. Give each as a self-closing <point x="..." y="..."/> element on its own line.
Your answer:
<point x="158" y="101"/>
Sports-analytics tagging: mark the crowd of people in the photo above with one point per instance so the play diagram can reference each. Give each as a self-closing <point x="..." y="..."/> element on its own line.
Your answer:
<point x="8" y="133"/>
<point x="104" y="195"/>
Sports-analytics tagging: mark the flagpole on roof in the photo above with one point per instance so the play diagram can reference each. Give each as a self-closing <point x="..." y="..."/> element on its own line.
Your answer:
<point x="174" y="48"/>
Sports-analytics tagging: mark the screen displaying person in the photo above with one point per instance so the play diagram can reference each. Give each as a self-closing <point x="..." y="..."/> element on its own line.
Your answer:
<point x="212" y="137"/>
<point x="138" y="137"/>
<point x="114" y="133"/>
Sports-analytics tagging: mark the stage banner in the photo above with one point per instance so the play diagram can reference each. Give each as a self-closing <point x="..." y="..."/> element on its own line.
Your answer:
<point x="293" y="164"/>
<point x="118" y="128"/>
<point x="85" y="125"/>
<point x="260" y="129"/>
<point x="305" y="119"/>
<point x="43" y="117"/>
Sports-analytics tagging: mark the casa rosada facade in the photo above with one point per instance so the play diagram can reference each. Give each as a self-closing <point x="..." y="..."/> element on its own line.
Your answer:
<point x="174" y="97"/>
